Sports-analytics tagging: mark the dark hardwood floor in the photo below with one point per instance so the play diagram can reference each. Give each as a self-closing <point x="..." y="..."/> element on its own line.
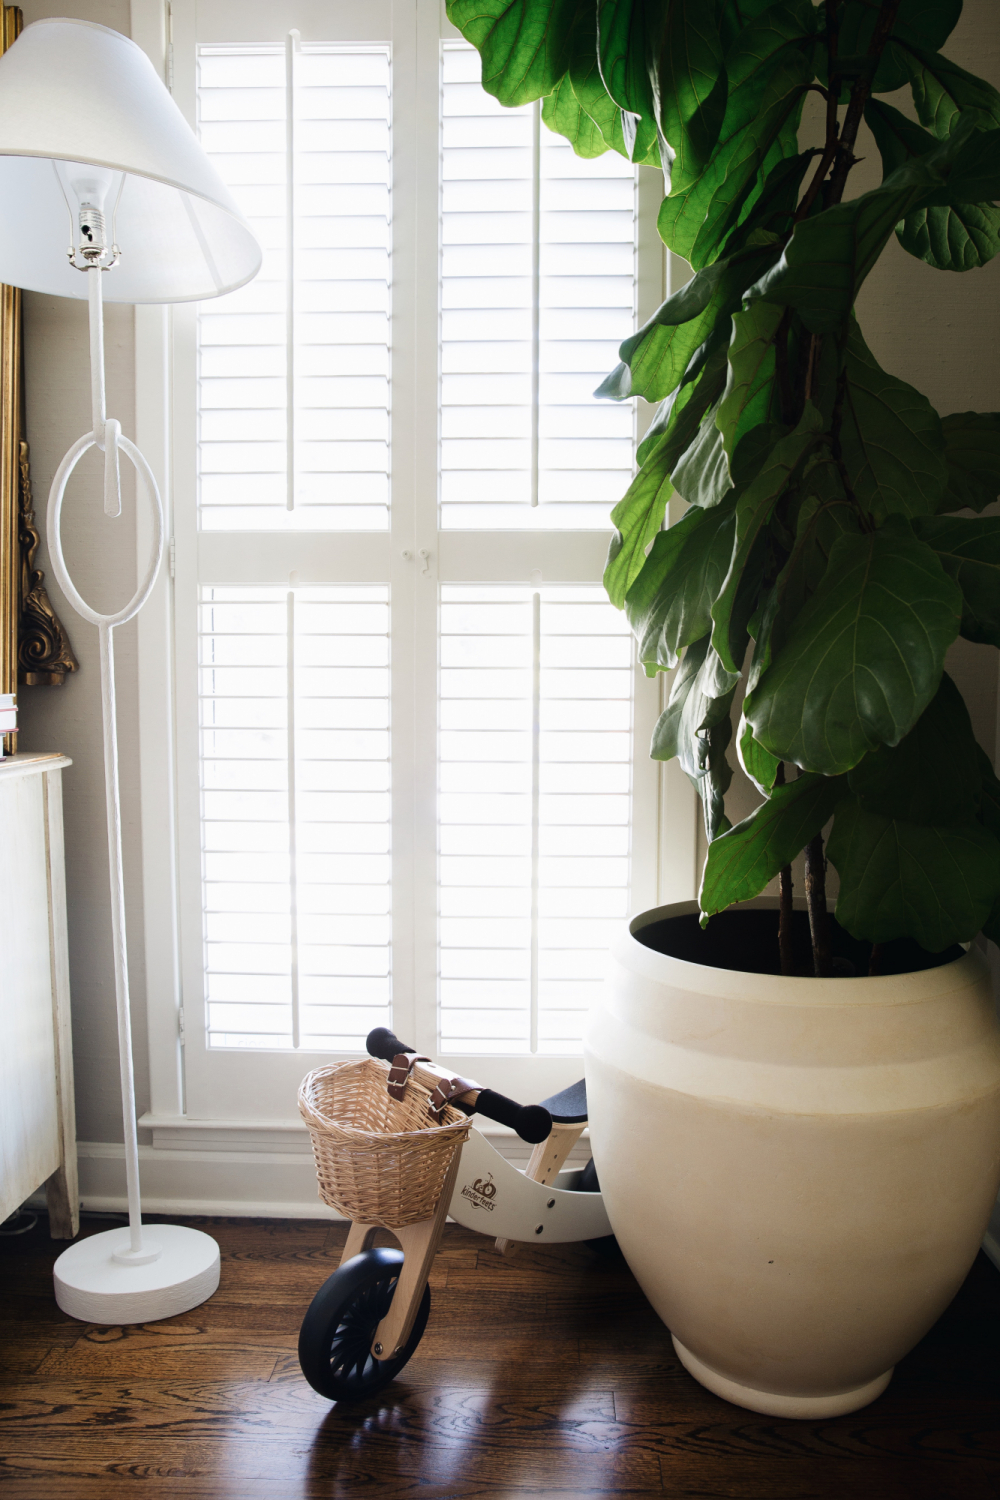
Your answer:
<point x="547" y="1374"/>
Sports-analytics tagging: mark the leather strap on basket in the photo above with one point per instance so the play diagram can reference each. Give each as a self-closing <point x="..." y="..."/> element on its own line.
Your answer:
<point x="449" y="1088"/>
<point x="399" y="1073"/>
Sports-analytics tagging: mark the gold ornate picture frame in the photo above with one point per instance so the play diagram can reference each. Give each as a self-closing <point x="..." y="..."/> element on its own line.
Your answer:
<point x="34" y="648"/>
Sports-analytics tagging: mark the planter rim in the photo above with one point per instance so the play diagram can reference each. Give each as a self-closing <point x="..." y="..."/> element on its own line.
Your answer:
<point x="914" y="988"/>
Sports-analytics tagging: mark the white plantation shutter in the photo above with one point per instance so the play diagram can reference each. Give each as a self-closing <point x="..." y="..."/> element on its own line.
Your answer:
<point x="445" y="283"/>
<point x="293" y="395"/>
<point x="534" y="802"/>
<point x="295" y="815"/>
<point x="538" y="274"/>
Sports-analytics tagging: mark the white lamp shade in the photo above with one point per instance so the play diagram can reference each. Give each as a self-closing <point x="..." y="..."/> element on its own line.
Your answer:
<point x="73" y="91"/>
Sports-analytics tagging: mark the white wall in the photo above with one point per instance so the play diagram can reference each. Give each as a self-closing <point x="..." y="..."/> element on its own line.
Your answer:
<point x="101" y="557"/>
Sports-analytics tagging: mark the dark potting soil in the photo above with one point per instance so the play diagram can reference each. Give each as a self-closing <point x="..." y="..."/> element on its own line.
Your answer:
<point x="748" y="941"/>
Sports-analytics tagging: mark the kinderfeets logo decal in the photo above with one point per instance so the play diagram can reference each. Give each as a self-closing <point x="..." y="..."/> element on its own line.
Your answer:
<point x="481" y="1193"/>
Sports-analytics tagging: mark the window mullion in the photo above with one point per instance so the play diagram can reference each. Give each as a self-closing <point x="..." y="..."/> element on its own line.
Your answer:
<point x="536" y="284"/>
<point x="293" y="901"/>
<point x="536" y="714"/>
<point x="291" y="49"/>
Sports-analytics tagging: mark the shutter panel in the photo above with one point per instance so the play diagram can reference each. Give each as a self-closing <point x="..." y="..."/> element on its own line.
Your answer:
<point x="523" y="443"/>
<point x="295" y="433"/>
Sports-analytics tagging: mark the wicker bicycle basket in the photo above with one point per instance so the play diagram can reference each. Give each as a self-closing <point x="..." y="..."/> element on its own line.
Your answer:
<point x="378" y="1160"/>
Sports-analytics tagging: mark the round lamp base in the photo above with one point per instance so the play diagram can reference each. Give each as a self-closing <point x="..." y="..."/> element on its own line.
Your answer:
<point x="94" y="1286"/>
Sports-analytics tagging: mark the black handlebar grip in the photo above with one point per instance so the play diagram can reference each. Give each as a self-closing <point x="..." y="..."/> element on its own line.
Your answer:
<point x="532" y="1122"/>
<point x="382" y="1043"/>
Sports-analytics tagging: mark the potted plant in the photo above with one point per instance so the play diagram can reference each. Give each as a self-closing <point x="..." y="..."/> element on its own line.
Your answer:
<point x="797" y="1115"/>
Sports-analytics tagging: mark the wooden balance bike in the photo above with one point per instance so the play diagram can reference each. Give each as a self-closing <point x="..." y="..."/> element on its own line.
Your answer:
<point x="395" y="1149"/>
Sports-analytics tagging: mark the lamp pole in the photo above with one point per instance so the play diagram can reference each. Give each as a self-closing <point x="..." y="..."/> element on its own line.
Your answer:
<point x="90" y="1285"/>
<point x="87" y="124"/>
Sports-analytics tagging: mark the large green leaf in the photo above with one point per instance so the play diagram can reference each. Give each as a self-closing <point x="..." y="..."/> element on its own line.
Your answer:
<point x="628" y="40"/>
<point x="742" y="861"/>
<point x="580" y="107"/>
<point x="932" y="776"/>
<point x="769" y="70"/>
<point x="689" y="85"/>
<point x="759" y="765"/>
<point x="830" y="253"/>
<point x="898" y="879"/>
<point x="669" y="605"/>
<point x="972" y="445"/>
<point x="638" y="516"/>
<point x="974" y="170"/>
<point x="865" y="656"/>
<point x="714" y="784"/>
<point x="750" y="398"/>
<point x="942" y="90"/>
<point x="657" y="355"/>
<point x="673" y="428"/>
<point x="771" y="214"/>
<point x="735" y="16"/>
<point x="563" y="113"/>
<point x="969" y="548"/>
<point x="927" y="23"/>
<point x="525" y="44"/>
<point x="753" y="511"/>
<point x="696" y="728"/>
<point x="955" y="237"/>
<point x="824" y="516"/>
<point x="701" y="475"/>
<point x="891" y="440"/>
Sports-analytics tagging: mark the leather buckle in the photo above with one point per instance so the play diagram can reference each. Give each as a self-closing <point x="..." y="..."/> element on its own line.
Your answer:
<point x="447" y="1089"/>
<point x="399" y="1073"/>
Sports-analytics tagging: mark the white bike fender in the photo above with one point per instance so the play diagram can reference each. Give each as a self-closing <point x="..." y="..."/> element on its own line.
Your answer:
<point x="492" y="1197"/>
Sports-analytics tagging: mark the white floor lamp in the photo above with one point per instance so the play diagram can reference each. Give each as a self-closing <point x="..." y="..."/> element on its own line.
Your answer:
<point x="90" y="139"/>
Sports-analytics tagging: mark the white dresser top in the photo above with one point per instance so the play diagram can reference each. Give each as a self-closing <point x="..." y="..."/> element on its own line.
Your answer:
<point x="29" y="762"/>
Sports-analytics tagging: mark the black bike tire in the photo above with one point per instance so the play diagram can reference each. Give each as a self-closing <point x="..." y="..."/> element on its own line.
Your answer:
<point x="350" y="1304"/>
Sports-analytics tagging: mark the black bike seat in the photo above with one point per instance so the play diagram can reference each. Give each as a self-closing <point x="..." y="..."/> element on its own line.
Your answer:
<point x="569" y="1106"/>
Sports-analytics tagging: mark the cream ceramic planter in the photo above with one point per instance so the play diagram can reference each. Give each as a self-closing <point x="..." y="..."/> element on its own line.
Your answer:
<point x="799" y="1171"/>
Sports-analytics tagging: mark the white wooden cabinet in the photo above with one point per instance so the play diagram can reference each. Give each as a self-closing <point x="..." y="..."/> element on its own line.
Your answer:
<point x="37" y="1127"/>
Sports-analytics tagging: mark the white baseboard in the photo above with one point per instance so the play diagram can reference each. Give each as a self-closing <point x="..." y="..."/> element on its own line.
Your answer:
<point x="245" y="1170"/>
<point x="228" y="1168"/>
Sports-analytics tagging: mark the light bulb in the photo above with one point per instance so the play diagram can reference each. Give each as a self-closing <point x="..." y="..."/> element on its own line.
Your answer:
<point x="87" y="190"/>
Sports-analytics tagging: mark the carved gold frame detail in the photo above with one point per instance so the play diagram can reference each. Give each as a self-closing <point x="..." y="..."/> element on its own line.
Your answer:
<point x="34" y="648"/>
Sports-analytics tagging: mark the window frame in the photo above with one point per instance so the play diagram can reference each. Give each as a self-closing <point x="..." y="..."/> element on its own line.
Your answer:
<point x="664" y="838"/>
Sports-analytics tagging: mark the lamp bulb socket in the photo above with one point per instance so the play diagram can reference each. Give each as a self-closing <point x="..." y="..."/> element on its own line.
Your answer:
<point x="93" y="236"/>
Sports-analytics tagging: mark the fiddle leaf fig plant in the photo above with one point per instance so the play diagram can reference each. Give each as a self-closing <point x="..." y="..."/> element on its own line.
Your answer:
<point x="823" y="559"/>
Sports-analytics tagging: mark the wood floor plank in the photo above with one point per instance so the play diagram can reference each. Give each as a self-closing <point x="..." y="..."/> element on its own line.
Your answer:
<point x="806" y="1479"/>
<point x="146" y="1354"/>
<point x="546" y="1375"/>
<point x="334" y="1454"/>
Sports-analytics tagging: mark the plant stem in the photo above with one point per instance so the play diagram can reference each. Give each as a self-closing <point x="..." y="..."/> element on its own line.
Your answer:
<point x="838" y="148"/>
<point x="819" y="922"/>
<point x="785" y="907"/>
<point x="859" y="98"/>
<point x="833" y="91"/>
<point x="875" y="961"/>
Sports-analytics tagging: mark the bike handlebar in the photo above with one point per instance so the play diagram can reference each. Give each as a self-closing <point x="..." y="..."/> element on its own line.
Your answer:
<point x="381" y="1042"/>
<point x="531" y="1122"/>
